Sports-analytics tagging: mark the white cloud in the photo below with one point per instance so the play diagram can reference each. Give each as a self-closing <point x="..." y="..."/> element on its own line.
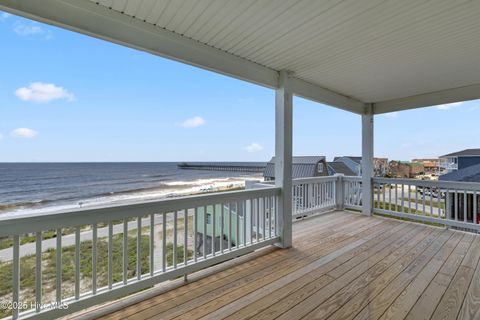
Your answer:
<point x="43" y="92"/>
<point x="24" y="133"/>
<point x="391" y="114"/>
<point x="254" y="147"/>
<point x="31" y="29"/>
<point x="193" y="122"/>
<point x="449" y="105"/>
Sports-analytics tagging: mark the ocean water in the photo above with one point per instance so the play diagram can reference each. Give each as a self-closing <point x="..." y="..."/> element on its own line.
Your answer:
<point x="45" y="187"/>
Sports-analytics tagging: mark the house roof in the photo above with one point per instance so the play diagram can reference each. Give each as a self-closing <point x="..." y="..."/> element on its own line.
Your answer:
<point x="393" y="54"/>
<point x="340" y="167"/>
<point x="468" y="174"/>
<point x="302" y="166"/>
<point x="463" y="153"/>
<point x="353" y="158"/>
<point x="425" y="160"/>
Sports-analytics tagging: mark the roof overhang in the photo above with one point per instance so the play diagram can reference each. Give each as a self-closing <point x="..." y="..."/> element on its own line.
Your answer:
<point x="397" y="69"/>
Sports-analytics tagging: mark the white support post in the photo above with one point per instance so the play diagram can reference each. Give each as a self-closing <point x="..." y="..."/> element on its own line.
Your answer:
<point x="283" y="156"/>
<point x="367" y="160"/>
<point x="339" y="196"/>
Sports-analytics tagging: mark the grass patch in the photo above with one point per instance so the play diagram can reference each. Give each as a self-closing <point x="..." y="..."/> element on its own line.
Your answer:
<point x="30" y="238"/>
<point x="398" y="208"/>
<point x="27" y="267"/>
<point x="427" y="203"/>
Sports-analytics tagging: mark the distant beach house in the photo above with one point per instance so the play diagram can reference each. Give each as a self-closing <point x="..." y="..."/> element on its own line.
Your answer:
<point x="459" y="160"/>
<point x="467" y="202"/>
<point x="238" y="221"/>
<point x="462" y="166"/>
<point x="468" y="174"/>
<point x="429" y="165"/>
<point x="302" y="167"/>
<point x="354" y="163"/>
<point x="219" y="222"/>
<point x="338" y="167"/>
<point x="405" y="169"/>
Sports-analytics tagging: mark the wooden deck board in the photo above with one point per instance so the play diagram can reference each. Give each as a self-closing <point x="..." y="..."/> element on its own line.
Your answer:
<point x="342" y="266"/>
<point x="309" y="251"/>
<point x="310" y="281"/>
<point x="353" y="293"/>
<point x="405" y="301"/>
<point x="452" y="300"/>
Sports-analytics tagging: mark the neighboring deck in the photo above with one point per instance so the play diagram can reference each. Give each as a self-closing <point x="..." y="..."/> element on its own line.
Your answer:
<point x="342" y="266"/>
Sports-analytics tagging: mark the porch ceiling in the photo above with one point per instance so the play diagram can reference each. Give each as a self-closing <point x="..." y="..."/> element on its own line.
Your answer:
<point x="395" y="54"/>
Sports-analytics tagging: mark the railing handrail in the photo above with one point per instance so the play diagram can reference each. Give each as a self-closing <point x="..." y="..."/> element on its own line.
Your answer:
<point x="314" y="179"/>
<point x="263" y="185"/>
<point x="69" y="218"/>
<point x="164" y="239"/>
<point x="352" y="178"/>
<point x="473" y="186"/>
<point x="448" y="203"/>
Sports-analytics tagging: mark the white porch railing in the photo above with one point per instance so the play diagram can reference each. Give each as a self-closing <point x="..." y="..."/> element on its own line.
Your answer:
<point x="311" y="195"/>
<point x="446" y="203"/>
<point x="453" y="204"/>
<point x="105" y="253"/>
<point x="101" y="254"/>
<point x="352" y="191"/>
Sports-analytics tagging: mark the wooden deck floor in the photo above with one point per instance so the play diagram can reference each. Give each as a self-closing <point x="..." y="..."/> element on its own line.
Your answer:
<point x="342" y="266"/>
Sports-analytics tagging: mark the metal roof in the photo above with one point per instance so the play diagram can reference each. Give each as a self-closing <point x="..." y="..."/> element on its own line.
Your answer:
<point x="468" y="174"/>
<point x="353" y="158"/>
<point x="302" y="166"/>
<point x="303" y="159"/>
<point x="463" y="153"/>
<point x="340" y="167"/>
<point x="346" y="53"/>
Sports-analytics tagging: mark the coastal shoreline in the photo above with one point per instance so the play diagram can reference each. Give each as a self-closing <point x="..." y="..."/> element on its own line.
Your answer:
<point x="170" y="189"/>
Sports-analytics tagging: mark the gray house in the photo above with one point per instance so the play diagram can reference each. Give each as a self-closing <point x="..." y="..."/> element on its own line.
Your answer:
<point x="459" y="160"/>
<point x="468" y="174"/>
<point x="338" y="167"/>
<point x="380" y="165"/>
<point x="462" y="166"/>
<point x="465" y="202"/>
<point x="302" y="167"/>
<point x="353" y="163"/>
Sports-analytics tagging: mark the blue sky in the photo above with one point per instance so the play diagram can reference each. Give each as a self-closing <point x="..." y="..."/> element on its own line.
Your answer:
<point x="69" y="97"/>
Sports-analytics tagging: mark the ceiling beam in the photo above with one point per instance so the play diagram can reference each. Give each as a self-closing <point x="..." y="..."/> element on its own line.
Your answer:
<point x="429" y="99"/>
<point x="313" y="92"/>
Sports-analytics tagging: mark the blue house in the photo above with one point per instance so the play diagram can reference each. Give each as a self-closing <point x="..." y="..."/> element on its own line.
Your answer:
<point x="459" y="160"/>
<point x="462" y="166"/>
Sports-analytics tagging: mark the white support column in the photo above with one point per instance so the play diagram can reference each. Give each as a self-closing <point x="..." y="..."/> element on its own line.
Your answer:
<point x="339" y="189"/>
<point x="367" y="161"/>
<point x="283" y="156"/>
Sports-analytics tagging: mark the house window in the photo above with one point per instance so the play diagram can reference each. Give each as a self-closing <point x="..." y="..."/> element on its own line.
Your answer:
<point x="209" y="218"/>
<point x="320" y="168"/>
